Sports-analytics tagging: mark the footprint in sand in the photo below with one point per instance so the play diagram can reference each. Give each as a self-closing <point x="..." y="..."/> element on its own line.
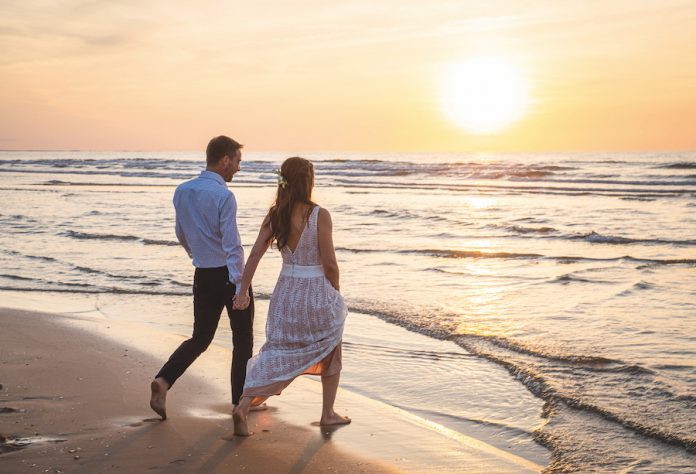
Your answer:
<point x="45" y="397"/>
<point x="15" y="444"/>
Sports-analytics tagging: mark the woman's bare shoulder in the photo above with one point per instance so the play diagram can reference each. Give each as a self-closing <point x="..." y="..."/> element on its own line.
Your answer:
<point x="324" y="214"/>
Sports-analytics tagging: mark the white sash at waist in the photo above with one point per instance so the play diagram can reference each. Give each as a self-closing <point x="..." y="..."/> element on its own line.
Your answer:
<point x="302" y="271"/>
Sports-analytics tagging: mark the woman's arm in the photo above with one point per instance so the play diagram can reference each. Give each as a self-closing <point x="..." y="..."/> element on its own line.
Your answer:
<point x="327" y="253"/>
<point x="241" y="300"/>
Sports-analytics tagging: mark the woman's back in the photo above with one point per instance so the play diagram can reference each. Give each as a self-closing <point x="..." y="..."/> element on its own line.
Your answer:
<point x="303" y="244"/>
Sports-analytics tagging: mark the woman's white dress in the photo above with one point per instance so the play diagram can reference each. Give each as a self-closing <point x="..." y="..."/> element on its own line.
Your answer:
<point x="305" y="322"/>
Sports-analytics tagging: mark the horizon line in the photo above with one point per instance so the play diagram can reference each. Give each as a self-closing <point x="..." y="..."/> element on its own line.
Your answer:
<point x="450" y="152"/>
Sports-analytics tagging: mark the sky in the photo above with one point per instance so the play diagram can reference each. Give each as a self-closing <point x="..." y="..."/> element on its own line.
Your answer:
<point x="305" y="75"/>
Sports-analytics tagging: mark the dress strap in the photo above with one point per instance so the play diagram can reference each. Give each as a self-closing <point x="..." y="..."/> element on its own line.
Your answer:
<point x="313" y="218"/>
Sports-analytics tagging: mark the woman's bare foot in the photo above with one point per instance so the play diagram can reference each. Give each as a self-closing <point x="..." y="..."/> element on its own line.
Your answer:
<point x="158" y="399"/>
<point x="261" y="407"/>
<point x="334" y="419"/>
<point x="240" y="423"/>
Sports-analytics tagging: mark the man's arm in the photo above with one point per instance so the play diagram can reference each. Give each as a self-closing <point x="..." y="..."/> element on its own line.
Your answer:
<point x="231" y="242"/>
<point x="177" y="227"/>
<point x="182" y="238"/>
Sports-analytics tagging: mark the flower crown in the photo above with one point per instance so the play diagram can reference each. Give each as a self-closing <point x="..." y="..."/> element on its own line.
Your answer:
<point x="282" y="182"/>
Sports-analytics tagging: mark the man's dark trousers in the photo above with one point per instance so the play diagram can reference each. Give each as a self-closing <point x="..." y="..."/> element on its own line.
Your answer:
<point x="212" y="291"/>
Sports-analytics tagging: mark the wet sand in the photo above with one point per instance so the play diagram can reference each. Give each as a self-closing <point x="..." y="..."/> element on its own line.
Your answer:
<point x="75" y="398"/>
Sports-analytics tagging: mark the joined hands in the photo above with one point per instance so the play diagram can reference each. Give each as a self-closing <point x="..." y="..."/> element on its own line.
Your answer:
<point x="241" y="301"/>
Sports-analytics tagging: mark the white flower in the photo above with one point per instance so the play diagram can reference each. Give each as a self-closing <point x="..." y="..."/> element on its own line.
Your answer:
<point x="282" y="182"/>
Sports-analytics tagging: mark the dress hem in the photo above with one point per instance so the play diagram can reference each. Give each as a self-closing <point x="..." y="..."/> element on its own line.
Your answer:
<point x="326" y="367"/>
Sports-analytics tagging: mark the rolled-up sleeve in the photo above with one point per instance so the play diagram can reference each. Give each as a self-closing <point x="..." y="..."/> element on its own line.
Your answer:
<point x="231" y="241"/>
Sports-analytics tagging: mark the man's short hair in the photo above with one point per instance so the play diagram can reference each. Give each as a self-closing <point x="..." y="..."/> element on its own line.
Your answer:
<point x="219" y="147"/>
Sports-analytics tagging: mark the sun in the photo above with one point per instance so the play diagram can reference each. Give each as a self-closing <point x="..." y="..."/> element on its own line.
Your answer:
<point x="484" y="94"/>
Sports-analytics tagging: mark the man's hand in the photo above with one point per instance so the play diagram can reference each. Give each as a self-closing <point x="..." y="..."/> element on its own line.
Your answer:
<point x="241" y="301"/>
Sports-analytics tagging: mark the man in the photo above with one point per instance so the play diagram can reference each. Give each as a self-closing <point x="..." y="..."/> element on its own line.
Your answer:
<point x="206" y="226"/>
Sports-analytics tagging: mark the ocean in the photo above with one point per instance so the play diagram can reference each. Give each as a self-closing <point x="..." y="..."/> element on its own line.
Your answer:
<point x="546" y="302"/>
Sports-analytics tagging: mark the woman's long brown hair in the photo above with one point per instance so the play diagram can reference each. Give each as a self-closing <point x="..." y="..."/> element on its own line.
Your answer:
<point x="298" y="175"/>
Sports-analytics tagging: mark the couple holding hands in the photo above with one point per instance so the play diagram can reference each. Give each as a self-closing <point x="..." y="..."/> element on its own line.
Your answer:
<point x="306" y="312"/>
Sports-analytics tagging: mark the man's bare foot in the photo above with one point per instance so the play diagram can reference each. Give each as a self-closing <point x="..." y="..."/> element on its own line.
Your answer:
<point x="334" y="419"/>
<point x="158" y="399"/>
<point x="240" y="423"/>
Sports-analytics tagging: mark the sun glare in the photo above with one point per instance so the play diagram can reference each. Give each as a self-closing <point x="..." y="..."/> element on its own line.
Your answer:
<point x="484" y="94"/>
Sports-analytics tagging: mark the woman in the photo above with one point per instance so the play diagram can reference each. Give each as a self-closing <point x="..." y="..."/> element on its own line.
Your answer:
<point x="306" y="312"/>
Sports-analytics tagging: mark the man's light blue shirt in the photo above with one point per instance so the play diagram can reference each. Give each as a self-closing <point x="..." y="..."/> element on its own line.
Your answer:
<point x="206" y="224"/>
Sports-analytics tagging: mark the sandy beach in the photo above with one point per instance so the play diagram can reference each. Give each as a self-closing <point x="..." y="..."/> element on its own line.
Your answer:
<point x="74" y="398"/>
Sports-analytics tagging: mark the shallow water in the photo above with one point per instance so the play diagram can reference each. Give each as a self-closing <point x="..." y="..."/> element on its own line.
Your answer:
<point x="575" y="274"/>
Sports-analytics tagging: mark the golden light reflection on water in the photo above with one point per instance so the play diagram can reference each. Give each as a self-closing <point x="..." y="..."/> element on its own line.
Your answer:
<point x="482" y="304"/>
<point x="479" y="202"/>
<point x="485" y="303"/>
<point x="483" y="245"/>
<point x="484" y="300"/>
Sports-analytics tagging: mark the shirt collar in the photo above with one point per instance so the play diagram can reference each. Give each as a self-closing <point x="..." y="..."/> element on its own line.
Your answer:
<point x="212" y="175"/>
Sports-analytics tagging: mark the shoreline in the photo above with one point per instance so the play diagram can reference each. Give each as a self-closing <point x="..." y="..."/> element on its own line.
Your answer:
<point x="100" y="412"/>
